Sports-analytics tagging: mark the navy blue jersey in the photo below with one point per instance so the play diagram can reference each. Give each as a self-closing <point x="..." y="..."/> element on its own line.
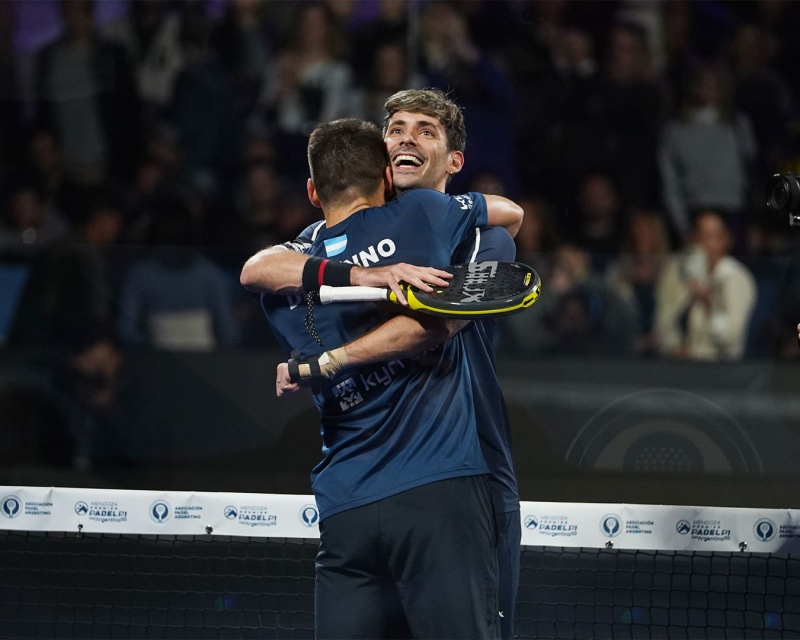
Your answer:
<point x="479" y="339"/>
<point x="396" y="425"/>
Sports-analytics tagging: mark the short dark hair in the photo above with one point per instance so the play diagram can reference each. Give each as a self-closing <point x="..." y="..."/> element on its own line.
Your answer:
<point x="434" y="103"/>
<point x="347" y="158"/>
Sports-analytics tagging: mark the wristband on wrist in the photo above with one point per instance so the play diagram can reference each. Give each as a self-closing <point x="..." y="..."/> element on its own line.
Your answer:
<point x="319" y="271"/>
<point x="315" y="367"/>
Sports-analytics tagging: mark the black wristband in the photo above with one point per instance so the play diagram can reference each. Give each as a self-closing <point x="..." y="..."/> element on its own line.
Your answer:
<point x="311" y="274"/>
<point x="319" y="271"/>
<point x="336" y="274"/>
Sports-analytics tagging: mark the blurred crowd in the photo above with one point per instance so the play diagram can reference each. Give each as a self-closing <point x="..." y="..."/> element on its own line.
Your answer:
<point x="148" y="147"/>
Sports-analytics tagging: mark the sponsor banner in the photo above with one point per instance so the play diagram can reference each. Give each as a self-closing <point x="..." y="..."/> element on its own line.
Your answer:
<point x="660" y="527"/>
<point x="158" y="512"/>
<point x="594" y="525"/>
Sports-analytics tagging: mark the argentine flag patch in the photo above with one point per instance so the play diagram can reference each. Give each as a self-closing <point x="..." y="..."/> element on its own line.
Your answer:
<point x="335" y="246"/>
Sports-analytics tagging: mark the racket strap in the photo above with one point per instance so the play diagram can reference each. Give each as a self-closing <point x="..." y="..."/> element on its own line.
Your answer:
<point x="314" y="368"/>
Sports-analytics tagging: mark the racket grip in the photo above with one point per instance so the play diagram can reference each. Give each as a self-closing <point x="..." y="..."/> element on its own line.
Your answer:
<point x="328" y="294"/>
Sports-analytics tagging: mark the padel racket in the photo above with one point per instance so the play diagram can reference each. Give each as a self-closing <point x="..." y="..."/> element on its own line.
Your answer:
<point x="477" y="290"/>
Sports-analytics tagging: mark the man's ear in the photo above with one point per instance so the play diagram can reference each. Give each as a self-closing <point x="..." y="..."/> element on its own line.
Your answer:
<point x="388" y="184"/>
<point x="456" y="162"/>
<point x="312" y="194"/>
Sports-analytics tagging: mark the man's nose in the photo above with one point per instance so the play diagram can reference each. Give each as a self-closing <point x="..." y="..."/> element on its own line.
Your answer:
<point x="408" y="137"/>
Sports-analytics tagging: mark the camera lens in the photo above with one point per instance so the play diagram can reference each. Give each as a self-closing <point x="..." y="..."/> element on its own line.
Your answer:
<point x="783" y="193"/>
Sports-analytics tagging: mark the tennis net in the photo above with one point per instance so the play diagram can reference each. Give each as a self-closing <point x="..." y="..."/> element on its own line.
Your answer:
<point x="83" y="563"/>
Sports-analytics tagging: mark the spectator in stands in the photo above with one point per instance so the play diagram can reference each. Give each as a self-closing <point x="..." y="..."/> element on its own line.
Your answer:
<point x="631" y="105"/>
<point x="762" y="95"/>
<point x="29" y="225"/>
<point x="678" y="29"/>
<point x="45" y="165"/>
<point x="260" y="203"/>
<point x="578" y="314"/>
<point x="704" y="297"/>
<point x="537" y="238"/>
<point x="387" y="74"/>
<point x="779" y="21"/>
<point x="151" y="35"/>
<point x="245" y="41"/>
<point x="85" y="91"/>
<point x="90" y="382"/>
<point x="175" y="298"/>
<point x="203" y="112"/>
<point x="597" y="220"/>
<point x="452" y="62"/>
<point x="72" y="289"/>
<point x="705" y="155"/>
<point x="634" y="274"/>
<point x="312" y="82"/>
<point x="389" y="26"/>
<point x="532" y="53"/>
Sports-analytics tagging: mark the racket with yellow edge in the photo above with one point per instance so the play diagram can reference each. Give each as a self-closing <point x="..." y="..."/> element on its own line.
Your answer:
<point x="477" y="290"/>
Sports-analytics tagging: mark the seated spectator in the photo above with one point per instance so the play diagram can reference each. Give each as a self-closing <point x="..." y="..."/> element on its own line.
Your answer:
<point x="260" y="204"/>
<point x="537" y="238"/>
<point x="29" y="225"/>
<point x="645" y="247"/>
<point x="45" y="165"/>
<point x="577" y="314"/>
<point x="596" y="222"/>
<point x="704" y="297"/>
<point x="72" y="288"/>
<point x="174" y="298"/>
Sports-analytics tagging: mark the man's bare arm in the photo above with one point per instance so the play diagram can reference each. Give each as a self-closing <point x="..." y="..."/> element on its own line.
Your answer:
<point x="403" y="336"/>
<point x="279" y="270"/>
<point x="504" y="213"/>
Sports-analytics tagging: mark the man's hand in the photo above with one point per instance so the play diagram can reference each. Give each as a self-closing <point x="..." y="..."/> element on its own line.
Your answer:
<point x="283" y="385"/>
<point x="392" y="275"/>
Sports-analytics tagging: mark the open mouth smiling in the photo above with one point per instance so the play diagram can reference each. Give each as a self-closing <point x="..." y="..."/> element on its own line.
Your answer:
<point x="406" y="160"/>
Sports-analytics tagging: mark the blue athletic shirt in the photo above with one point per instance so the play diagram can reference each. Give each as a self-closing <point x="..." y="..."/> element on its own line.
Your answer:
<point x="479" y="336"/>
<point x="392" y="426"/>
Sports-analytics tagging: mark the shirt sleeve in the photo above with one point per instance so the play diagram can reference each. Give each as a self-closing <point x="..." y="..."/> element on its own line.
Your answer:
<point x="302" y="242"/>
<point x="452" y="218"/>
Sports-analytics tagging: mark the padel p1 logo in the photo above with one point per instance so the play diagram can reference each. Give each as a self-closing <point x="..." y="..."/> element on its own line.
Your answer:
<point x="531" y="522"/>
<point x="309" y="515"/>
<point x="11" y="507"/>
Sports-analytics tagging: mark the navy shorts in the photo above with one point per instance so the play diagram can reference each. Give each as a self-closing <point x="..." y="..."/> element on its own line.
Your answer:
<point x="422" y="564"/>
